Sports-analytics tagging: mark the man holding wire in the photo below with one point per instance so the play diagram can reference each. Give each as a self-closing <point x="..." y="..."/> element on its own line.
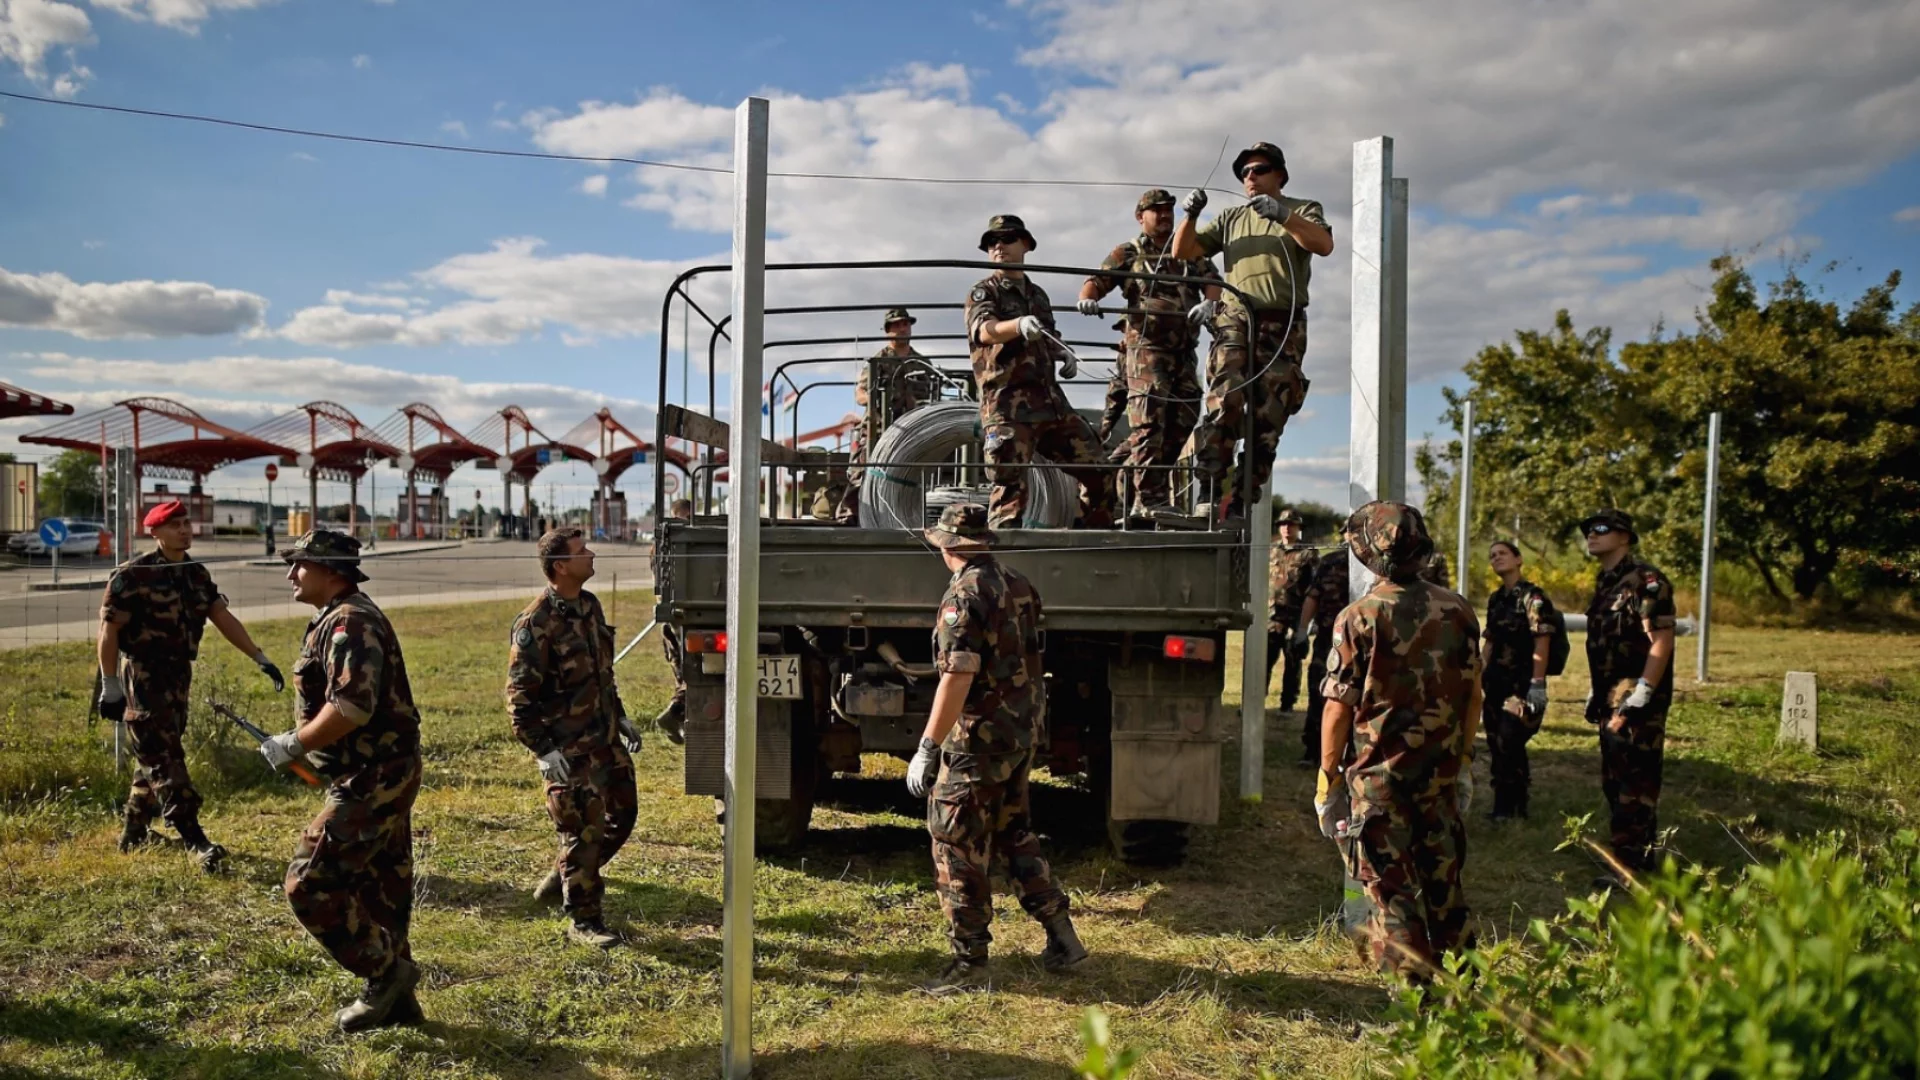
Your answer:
<point x="1268" y="244"/>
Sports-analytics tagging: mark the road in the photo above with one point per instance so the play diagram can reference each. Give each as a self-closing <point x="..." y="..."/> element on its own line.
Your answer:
<point x="474" y="571"/>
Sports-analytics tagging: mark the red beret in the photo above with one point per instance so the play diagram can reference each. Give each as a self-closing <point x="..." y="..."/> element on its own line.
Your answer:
<point x="164" y="513"/>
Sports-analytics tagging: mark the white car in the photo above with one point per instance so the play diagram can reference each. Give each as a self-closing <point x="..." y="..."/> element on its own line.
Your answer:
<point x="83" y="538"/>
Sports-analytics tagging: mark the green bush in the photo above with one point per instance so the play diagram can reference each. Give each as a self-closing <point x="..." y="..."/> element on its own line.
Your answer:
<point x="1807" y="967"/>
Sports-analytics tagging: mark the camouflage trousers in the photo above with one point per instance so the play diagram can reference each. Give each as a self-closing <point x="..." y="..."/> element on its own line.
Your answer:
<point x="351" y="880"/>
<point x="977" y="813"/>
<point x="594" y="812"/>
<point x="670" y="645"/>
<point x="156" y="722"/>
<point x="1163" y="399"/>
<point x="1316" y="703"/>
<point x="1630" y="766"/>
<point x="1507" y="737"/>
<point x="1265" y="383"/>
<point x="1064" y="438"/>
<point x="1277" y="654"/>
<point x="1407" y="857"/>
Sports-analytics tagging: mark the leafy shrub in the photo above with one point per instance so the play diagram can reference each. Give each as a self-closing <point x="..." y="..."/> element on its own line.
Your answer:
<point x="1806" y="967"/>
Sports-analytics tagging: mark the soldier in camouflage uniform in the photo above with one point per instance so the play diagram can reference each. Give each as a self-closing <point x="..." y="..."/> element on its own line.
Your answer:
<point x="1630" y="626"/>
<point x="977" y="751"/>
<point x="1023" y="410"/>
<point x="1268" y="244"/>
<point x="674" y="717"/>
<point x="566" y="709"/>
<point x="154" y="612"/>
<point x="1437" y="571"/>
<point x="1157" y="359"/>
<point x="904" y="384"/>
<point x="1520" y="628"/>
<point x="351" y="879"/>
<point x="1404" y="683"/>
<point x="1313" y="636"/>
<point x="1290" y="574"/>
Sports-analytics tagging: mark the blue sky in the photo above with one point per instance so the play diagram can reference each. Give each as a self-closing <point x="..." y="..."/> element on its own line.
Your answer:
<point x="1596" y="161"/>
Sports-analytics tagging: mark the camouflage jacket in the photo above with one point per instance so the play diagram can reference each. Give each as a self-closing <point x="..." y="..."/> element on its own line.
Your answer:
<point x="560" y="688"/>
<point x="161" y="608"/>
<point x="906" y="385"/>
<point x="1144" y="255"/>
<point x="989" y="624"/>
<point x="1515" y="616"/>
<point x="1329" y="590"/>
<point x="1624" y="599"/>
<point x="1016" y="378"/>
<point x="1291" y="574"/>
<point x="1406" y="657"/>
<point x="350" y="658"/>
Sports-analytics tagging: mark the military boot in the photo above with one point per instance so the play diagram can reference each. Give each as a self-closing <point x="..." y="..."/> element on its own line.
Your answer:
<point x="1063" y="951"/>
<point x="1502" y="805"/>
<point x="408" y="1012"/>
<point x="382" y="997"/>
<point x="592" y="932"/>
<point x="671" y="720"/>
<point x="134" y="833"/>
<point x="548" y="891"/>
<point x="211" y="856"/>
<point x="961" y="974"/>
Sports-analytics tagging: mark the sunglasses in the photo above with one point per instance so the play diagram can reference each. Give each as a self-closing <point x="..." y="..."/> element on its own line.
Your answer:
<point x="1001" y="238"/>
<point x="1598" y="530"/>
<point x="1258" y="168"/>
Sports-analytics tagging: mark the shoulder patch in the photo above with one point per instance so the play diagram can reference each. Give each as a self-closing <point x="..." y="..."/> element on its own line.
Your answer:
<point x="524" y="637"/>
<point x="118" y="584"/>
<point x="950" y="614"/>
<point x="980" y="294"/>
<point x="339" y="636"/>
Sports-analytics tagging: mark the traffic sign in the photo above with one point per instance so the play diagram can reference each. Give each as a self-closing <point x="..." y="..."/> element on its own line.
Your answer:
<point x="303" y="459"/>
<point x="53" y="532"/>
<point x="601" y="466"/>
<point x="544" y="456"/>
<point x="639" y="457"/>
<point x="273" y="472"/>
<point x="22" y="485"/>
<point x="671" y="482"/>
<point x="503" y="463"/>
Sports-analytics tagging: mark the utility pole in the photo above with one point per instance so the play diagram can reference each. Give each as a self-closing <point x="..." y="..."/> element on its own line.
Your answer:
<point x="1253" y="654"/>
<point x="1465" y="510"/>
<point x="1377" y="409"/>
<point x="1707" y="524"/>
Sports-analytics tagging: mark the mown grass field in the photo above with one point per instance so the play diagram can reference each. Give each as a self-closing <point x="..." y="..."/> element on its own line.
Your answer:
<point x="137" y="966"/>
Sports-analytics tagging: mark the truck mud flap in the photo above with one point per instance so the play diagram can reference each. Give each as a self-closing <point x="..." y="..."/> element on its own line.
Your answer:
<point x="706" y="732"/>
<point x="1166" y="741"/>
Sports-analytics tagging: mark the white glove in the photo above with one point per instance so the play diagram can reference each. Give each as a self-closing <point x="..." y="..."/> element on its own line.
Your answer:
<point x="1203" y="312"/>
<point x="553" y="768"/>
<point x="1088" y="306"/>
<point x="1642" y="694"/>
<point x="1463" y="794"/>
<point x="112" y="689"/>
<point x="1267" y="207"/>
<point x="1069" y="367"/>
<point x="629" y="733"/>
<point x="1332" y="805"/>
<point x="281" y="750"/>
<point x="1195" y="202"/>
<point x="1537" y="696"/>
<point x="924" y="767"/>
<point x="1032" y="328"/>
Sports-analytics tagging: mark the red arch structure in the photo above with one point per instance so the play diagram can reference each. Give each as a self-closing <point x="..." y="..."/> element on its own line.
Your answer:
<point x="521" y="462"/>
<point x="17" y="402"/>
<point x="430" y="450"/>
<point x="329" y="443"/>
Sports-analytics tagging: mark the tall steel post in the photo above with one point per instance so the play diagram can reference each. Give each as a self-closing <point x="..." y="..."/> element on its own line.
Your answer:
<point x="1707" y="524"/>
<point x="1253" y="656"/>
<point x="1464" y="512"/>
<point x="1377" y="402"/>
<point x="743" y="585"/>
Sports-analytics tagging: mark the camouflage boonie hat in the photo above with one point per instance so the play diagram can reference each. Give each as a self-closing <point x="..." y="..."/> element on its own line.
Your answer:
<point x="1289" y="516"/>
<point x="962" y="527"/>
<point x="1613" y="519"/>
<point x="1260" y="149"/>
<point x="1003" y="223"/>
<point x="898" y="314"/>
<point x="1154" y="197"/>
<point x="1390" y="539"/>
<point x="335" y="551"/>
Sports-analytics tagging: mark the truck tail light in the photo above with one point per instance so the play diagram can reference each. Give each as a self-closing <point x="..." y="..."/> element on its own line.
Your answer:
<point x="1189" y="648"/>
<point x="702" y="642"/>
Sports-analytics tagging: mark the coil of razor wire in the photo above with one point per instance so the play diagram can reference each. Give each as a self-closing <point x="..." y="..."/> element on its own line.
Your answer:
<point x="900" y="498"/>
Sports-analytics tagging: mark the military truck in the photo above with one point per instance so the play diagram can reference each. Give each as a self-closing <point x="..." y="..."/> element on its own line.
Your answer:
<point x="1135" y="626"/>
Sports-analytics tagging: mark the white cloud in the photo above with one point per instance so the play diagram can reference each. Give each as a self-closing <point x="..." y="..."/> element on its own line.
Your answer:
<point x="595" y="185"/>
<point x="32" y="30"/>
<point x="93" y="245"/>
<point x="456" y="128"/>
<point x="125" y="309"/>
<point x="302" y="155"/>
<point x="182" y="15"/>
<point x="396" y="303"/>
<point x="1907" y="216"/>
<point x="362" y="61"/>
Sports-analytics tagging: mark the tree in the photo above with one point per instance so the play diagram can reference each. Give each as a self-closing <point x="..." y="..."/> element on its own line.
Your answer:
<point x="70" y="484"/>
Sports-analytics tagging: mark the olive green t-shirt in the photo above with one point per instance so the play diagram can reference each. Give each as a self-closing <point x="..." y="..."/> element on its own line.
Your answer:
<point x="1263" y="260"/>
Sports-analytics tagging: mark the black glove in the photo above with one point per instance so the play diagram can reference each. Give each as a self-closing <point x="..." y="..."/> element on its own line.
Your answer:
<point x="268" y="669"/>
<point x="1302" y="644"/>
<point x="113" y="698"/>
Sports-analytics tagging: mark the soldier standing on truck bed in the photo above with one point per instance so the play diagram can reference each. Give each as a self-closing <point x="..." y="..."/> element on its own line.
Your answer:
<point x="1290" y="576"/>
<point x="1157" y="358"/>
<point x="1023" y="411"/>
<point x="977" y="751"/>
<point x="566" y="709"/>
<point x="154" y="611"/>
<point x="893" y="381"/>
<point x="1269" y="245"/>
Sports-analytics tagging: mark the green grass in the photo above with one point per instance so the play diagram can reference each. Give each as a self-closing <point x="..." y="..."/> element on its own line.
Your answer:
<point x="135" y="966"/>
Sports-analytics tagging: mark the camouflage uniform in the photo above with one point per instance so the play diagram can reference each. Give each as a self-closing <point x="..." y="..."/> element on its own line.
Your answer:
<point x="1516" y="615"/>
<point x="1406" y="658"/>
<point x="561" y="696"/>
<point x="161" y="608"/>
<point x="1290" y="575"/>
<point x="1157" y="356"/>
<point x="989" y="625"/>
<point x="906" y="385"/>
<point x="1626" y="598"/>
<point x="351" y="880"/>
<point x="1023" y="410"/>
<point x="1329" y="590"/>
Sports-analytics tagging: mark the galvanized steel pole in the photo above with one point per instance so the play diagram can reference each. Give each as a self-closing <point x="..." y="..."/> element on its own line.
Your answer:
<point x="1464" y="511"/>
<point x="1253" y="656"/>
<point x="1370" y="424"/>
<point x="743" y="585"/>
<point x="1706" y="542"/>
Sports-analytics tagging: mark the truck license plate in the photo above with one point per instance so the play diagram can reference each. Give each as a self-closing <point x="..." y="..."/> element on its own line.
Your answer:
<point x="780" y="677"/>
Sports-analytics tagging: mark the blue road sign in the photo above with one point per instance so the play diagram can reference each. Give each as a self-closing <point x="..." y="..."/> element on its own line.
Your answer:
<point x="53" y="532"/>
<point x="544" y="456"/>
<point x="639" y="457"/>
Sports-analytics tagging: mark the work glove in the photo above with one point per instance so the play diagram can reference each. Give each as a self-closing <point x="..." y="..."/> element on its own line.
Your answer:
<point x="553" y="768"/>
<point x="1301" y="643"/>
<point x="1088" y="306"/>
<point x="1203" y="312"/>
<point x="629" y="734"/>
<point x="1032" y="328"/>
<point x="113" y="698"/>
<point x="1069" y="366"/>
<point x="282" y="750"/>
<point x="1268" y="207"/>
<point x="1463" y="793"/>
<point x="1195" y="202"/>
<point x="924" y="767"/>
<point x="1642" y="696"/>
<point x="271" y="672"/>
<point x="1537" y="696"/>
<point x="1332" y="805"/>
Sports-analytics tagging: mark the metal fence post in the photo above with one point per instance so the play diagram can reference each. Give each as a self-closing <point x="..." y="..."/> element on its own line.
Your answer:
<point x="1706" y="542"/>
<point x="1465" y="510"/>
